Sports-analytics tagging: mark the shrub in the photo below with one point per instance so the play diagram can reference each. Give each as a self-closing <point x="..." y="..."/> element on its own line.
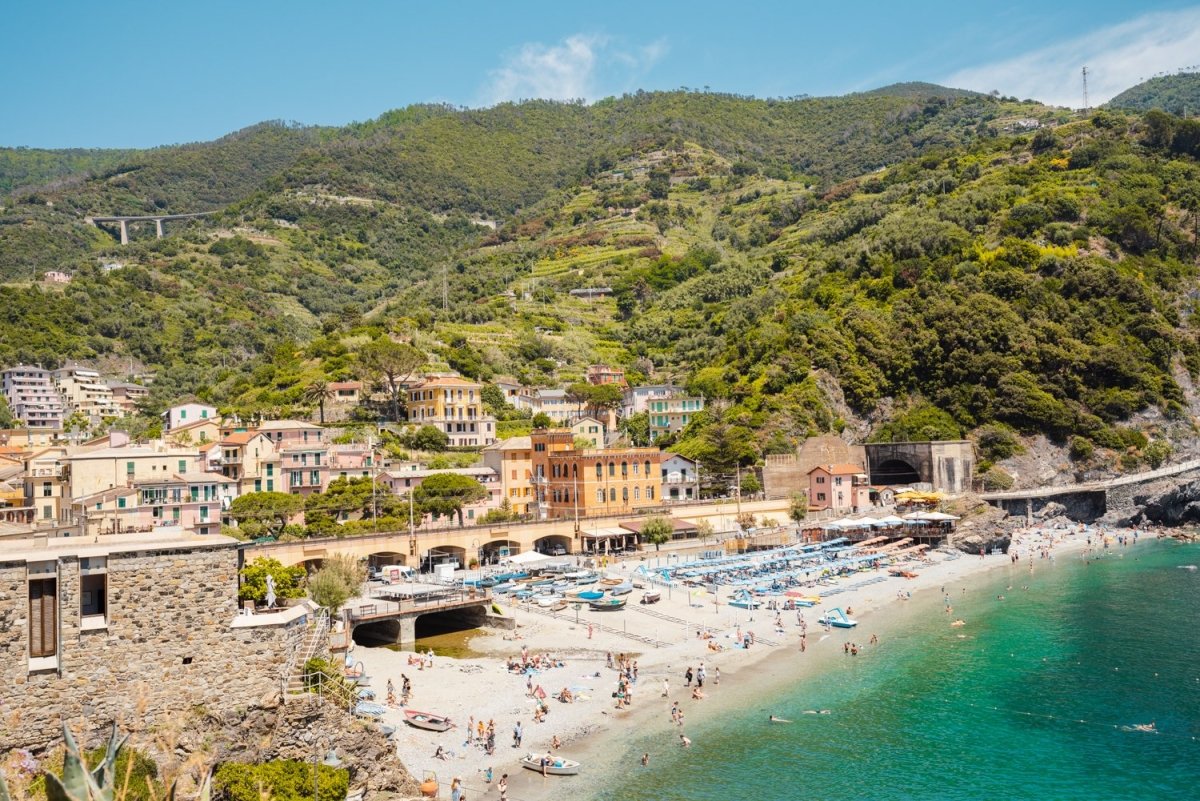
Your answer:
<point x="283" y="780"/>
<point x="1081" y="448"/>
<point x="289" y="581"/>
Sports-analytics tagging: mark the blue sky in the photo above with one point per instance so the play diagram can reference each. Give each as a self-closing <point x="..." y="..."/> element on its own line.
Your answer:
<point x="138" y="74"/>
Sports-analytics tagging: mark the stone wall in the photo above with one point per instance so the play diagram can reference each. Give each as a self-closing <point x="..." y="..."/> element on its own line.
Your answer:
<point x="168" y="647"/>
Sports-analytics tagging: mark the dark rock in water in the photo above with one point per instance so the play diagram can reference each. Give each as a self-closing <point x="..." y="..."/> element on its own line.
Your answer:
<point x="1177" y="506"/>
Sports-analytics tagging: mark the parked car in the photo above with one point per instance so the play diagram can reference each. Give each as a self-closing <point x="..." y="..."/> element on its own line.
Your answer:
<point x="558" y="550"/>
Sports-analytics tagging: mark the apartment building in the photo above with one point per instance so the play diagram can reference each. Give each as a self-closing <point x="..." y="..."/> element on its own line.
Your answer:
<point x="186" y="413"/>
<point x="585" y="482"/>
<point x="82" y="390"/>
<point x="511" y="459"/>
<point x="31" y="397"/>
<point x="191" y="502"/>
<point x="250" y="459"/>
<point x="127" y="396"/>
<point x="671" y="415"/>
<point x="454" y="405"/>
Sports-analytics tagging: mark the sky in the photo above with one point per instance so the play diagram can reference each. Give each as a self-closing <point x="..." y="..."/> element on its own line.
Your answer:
<point x="140" y="74"/>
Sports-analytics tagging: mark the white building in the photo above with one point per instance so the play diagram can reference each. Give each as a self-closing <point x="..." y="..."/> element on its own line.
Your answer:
<point x="83" y="391"/>
<point x="186" y="414"/>
<point x="31" y="397"/>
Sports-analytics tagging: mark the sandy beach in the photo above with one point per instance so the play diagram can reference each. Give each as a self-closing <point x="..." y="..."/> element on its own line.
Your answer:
<point x="591" y="729"/>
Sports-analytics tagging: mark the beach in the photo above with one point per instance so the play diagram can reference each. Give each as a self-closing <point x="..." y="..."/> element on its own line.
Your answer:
<point x="593" y="730"/>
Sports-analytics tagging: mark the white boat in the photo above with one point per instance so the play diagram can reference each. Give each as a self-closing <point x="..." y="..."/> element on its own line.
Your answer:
<point x="836" y="617"/>
<point x="553" y="765"/>
<point x="547" y="601"/>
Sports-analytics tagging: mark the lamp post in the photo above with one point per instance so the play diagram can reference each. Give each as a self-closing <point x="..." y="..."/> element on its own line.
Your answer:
<point x="331" y="760"/>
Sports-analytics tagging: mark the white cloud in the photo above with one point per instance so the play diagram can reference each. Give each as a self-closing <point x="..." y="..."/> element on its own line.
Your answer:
<point x="1117" y="57"/>
<point x="581" y="66"/>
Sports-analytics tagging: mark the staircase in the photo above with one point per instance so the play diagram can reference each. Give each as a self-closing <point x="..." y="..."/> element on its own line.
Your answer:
<point x="314" y="639"/>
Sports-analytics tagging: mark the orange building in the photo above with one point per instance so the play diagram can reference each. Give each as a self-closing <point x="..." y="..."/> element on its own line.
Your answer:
<point x="583" y="483"/>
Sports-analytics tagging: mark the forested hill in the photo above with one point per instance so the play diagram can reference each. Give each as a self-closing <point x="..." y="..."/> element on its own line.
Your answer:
<point x="1177" y="94"/>
<point x="898" y="265"/>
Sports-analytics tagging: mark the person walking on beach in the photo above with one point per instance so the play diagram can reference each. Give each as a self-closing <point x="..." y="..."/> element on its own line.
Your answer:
<point x="687" y="676"/>
<point x="517" y="735"/>
<point x="716" y="675"/>
<point x="666" y="687"/>
<point x="502" y="786"/>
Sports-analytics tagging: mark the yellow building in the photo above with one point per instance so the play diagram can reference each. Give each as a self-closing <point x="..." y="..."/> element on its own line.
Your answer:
<point x="454" y="405"/>
<point x="93" y="471"/>
<point x="251" y="459"/>
<point x="512" y="460"/>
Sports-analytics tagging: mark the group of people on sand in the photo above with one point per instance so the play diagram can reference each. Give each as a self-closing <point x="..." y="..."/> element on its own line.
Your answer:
<point x="405" y="691"/>
<point x="421" y="660"/>
<point x="528" y="661"/>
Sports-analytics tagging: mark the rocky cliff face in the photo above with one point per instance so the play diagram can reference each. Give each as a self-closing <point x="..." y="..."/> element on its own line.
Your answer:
<point x="303" y="726"/>
<point x="1174" y="506"/>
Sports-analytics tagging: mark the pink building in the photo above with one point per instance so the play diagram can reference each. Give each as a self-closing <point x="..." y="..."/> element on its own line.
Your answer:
<point x="190" y="501"/>
<point x="840" y="487"/>
<point x="350" y="460"/>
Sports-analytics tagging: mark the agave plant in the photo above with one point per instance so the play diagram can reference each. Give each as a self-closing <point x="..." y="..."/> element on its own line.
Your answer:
<point x="78" y="784"/>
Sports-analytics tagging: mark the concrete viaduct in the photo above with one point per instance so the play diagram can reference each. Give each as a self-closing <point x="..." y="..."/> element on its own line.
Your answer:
<point x="158" y="219"/>
<point x="1088" y="501"/>
<point x="464" y="544"/>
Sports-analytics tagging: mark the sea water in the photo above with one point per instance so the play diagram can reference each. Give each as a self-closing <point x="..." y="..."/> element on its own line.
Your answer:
<point x="1034" y="698"/>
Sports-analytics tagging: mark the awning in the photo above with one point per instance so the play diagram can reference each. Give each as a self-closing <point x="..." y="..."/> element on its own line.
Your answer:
<point x="605" y="534"/>
<point x="681" y="526"/>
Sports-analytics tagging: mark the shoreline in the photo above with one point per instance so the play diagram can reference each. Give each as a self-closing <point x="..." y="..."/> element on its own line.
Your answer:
<point x="597" y="734"/>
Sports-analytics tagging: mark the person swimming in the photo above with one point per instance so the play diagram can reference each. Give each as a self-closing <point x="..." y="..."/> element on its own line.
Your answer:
<point x="817" y="711"/>
<point x="774" y="719"/>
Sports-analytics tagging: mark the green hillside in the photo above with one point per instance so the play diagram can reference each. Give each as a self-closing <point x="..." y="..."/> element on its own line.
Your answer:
<point x="907" y="265"/>
<point x="1176" y="94"/>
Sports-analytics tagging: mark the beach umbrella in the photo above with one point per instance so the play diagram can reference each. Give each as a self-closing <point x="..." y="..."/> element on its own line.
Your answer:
<point x="938" y="516"/>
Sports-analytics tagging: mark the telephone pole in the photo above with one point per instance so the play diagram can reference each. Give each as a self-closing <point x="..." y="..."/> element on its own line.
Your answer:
<point x="1085" y="93"/>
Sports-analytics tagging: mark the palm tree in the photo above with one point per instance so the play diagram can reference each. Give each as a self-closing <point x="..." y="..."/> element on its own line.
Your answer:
<point x="318" y="392"/>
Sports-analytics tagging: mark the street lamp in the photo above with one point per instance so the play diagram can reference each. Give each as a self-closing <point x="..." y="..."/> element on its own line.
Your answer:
<point x="331" y="760"/>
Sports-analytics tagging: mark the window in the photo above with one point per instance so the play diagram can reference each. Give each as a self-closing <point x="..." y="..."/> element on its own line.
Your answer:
<point x="314" y="477"/>
<point x="647" y="467"/>
<point x="612" y="494"/>
<point x="637" y="493"/>
<point x="129" y="468"/>
<point x="47" y="512"/>
<point x="120" y="503"/>
<point x="820" y="496"/>
<point x="600" y="495"/>
<point x="650" y="493"/>
<point x="47" y="489"/>
<point x="599" y="470"/>
<point x="204" y="413"/>
<point x="270" y="485"/>
<point x="183" y="414"/>
<point x="837" y="482"/>
<point x="820" y="479"/>
<point x="270" y="470"/>
<point x="612" y="468"/>
<point x="635" y="468"/>
<point x="624" y="469"/>
<point x="258" y="485"/>
<point x="625" y="494"/>
<point x="93" y="591"/>
<point x="514" y="475"/>
<point x="43" y="617"/>
<point x="183" y="465"/>
<point x="174" y="514"/>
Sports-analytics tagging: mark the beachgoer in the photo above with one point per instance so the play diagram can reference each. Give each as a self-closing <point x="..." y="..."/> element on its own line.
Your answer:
<point x="487" y="775"/>
<point x="645" y="759"/>
<point x="666" y="688"/>
<point x="517" y="735"/>
<point x="774" y="719"/>
<point x="716" y="675"/>
<point x="555" y="743"/>
<point x="685" y="741"/>
<point x="547" y="761"/>
<point x="455" y="789"/>
<point x="502" y="786"/>
<point x="440" y="753"/>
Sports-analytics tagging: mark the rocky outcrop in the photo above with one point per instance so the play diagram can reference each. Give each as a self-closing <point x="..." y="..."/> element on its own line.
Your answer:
<point x="1173" y="506"/>
<point x="305" y="726"/>
<point x="981" y="526"/>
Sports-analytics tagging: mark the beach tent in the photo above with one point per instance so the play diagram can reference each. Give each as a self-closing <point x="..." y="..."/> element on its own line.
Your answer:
<point x="867" y="521"/>
<point x="529" y="558"/>
<point x="892" y="520"/>
<point x="937" y="517"/>
<point x="846" y="522"/>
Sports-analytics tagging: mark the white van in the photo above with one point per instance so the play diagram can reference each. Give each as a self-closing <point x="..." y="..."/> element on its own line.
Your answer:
<point x="394" y="574"/>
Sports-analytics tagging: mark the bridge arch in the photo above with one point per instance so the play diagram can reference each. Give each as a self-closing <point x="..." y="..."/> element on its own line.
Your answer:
<point x="552" y="542"/>
<point x="493" y="551"/>
<point x="441" y="554"/>
<point x="386" y="557"/>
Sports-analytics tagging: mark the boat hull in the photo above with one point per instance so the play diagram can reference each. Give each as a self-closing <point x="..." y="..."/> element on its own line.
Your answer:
<point x="568" y="767"/>
<point x="427" y="721"/>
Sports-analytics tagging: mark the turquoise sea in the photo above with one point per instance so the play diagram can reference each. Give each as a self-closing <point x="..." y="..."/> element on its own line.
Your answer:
<point x="1034" y="700"/>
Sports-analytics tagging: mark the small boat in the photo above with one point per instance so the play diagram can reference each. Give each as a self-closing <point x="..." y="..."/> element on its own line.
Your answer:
<point x="590" y="578"/>
<point x="837" y="618"/>
<point x="611" y="582"/>
<point x="555" y="765"/>
<point x="547" y="601"/>
<point x="621" y="589"/>
<point x="426" y="720"/>
<point x="651" y="597"/>
<point x="608" y="604"/>
<point x="591" y="595"/>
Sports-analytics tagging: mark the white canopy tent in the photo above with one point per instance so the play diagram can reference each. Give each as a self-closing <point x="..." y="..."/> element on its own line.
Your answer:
<point x="529" y="559"/>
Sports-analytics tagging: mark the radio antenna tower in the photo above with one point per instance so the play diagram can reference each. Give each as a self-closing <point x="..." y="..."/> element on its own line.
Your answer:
<point x="1085" y="97"/>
